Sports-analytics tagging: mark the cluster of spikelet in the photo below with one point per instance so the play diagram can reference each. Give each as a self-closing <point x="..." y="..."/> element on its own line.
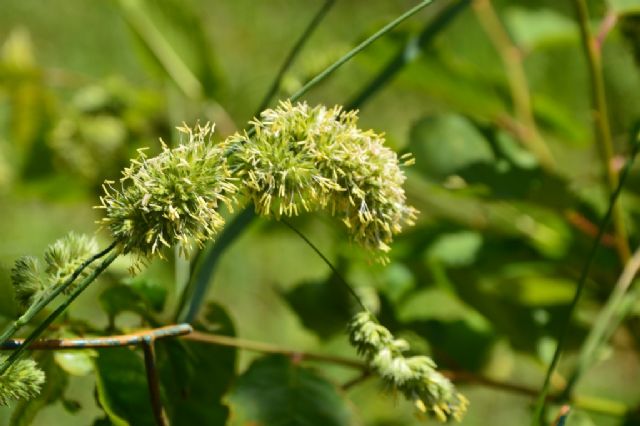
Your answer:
<point x="300" y="159"/>
<point x="30" y="281"/>
<point x="61" y="259"/>
<point x="171" y="199"/>
<point x="415" y="377"/>
<point x="294" y="159"/>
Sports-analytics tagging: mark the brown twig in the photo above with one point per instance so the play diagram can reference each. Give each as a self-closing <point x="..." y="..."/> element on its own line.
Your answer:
<point x="589" y="228"/>
<point x="273" y="349"/>
<point x="153" y="381"/>
<point x="145" y="338"/>
<point x="132" y="339"/>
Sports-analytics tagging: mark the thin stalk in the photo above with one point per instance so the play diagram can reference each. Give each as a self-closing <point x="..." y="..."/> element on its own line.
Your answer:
<point x="293" y="53"/>
<point x="602" y="127"/>
<point x="518" y="86"/>
<point x="359" y="48"/>
<point x="613" y="312"/>
<point x="15" y="356"/>
<point x="408" y="53"/>
<point x="49" y="295"/>
<point x="539" y="408"/>
<point x="153" y="382"/>
<point x="269" y="348"/>
<point x="326" y="260"/>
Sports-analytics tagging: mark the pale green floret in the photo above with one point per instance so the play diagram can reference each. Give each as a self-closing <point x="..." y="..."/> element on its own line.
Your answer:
<point x="65" y="255"/>
<point x="61" y="259"/>
<point x="303" y="158"/>
<point x="26" y="280"/>
<point x="415" y="377"/>
<point x="22" y="381"/>
<point x="170" y="199"/>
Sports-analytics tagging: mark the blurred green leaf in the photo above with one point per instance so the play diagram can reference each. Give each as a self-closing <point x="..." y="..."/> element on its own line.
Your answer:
<point x="274" y="391"/>
<point x="538" y="28"/>
<point x="622" y="7"/>
<point x="197" y="375"/>
<point x="444" y="144"/>
<point x="121" y="385"/>
<point x="457" y="249"/>
<point x="139" y="296"/>
<point x="76" y="362"/>
<point x="324" y="307"/>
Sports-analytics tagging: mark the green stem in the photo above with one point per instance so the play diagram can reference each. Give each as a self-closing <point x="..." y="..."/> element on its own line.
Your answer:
<point x="49" y="295"/>
<point x="359" y="48"/>
<point x="518" y="86"/>
<point x="161" y="48"/>
<point x="601" y="122"/>
<point x="613" y="312"/>
<point x="326" y="260"/>
<point x="539" y="408"/>
<point x="275" y="85"/>
<point x="16" y="355"/>
<point x="408" y="53"/>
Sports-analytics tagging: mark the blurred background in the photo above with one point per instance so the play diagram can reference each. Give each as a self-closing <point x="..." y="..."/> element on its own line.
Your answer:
<point x="493" y="98"/>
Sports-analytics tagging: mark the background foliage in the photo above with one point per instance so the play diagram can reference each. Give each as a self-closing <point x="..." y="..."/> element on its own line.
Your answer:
<point x="508" y="180"/>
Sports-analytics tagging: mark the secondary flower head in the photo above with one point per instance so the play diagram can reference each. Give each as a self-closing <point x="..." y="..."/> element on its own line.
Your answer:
<point x="170" y="199"/>
<point x="415" y="377"/>
<point x="22" y="381"/>
<point x="61" y="258"/>
<point x="302" y="158"/>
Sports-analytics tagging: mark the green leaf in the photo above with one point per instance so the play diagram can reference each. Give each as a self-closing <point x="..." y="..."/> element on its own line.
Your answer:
<point x="197" y="375"/>
<point x="456" y="249"/>
<point x="122" y="389"/>
<point x="536" y="28"/>
<point x="53" y="390"/>
<point x="277" y="392"/>
<point x="324" y="307"/>
<point x="622" y="7"/>
<point x="76" y="362"/>
<point x="140" y="296"/>
<point x="444" y="144"/>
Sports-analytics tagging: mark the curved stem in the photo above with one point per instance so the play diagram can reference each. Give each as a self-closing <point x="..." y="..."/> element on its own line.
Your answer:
<point x="15" y="356"/>
<point x="49" y="295"/>
<point x="326" y="260"/>
<point x="295" y="50"/>
<point x="539" y="408"/>
<point x="602" y="127"/>
<point x="269" y="348"/>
